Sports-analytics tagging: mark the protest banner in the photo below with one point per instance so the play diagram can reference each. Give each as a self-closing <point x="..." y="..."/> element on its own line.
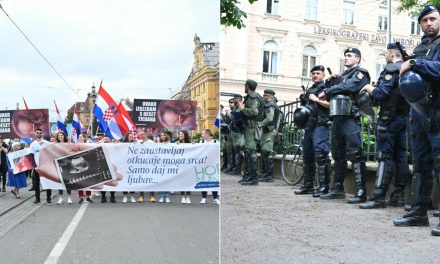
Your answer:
<point x="21" y="160"/>
<point x="169" y="114"/>
<point x="131" y="166"/>
<point x="22" y="123"/>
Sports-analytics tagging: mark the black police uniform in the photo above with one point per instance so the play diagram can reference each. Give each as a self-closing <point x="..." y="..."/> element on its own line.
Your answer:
<point x="346" y="138"/>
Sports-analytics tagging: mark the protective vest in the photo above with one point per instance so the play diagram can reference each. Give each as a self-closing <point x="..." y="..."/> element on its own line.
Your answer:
<point x="396" y="104"/>
<point x="261" y="105"/>
<point x="321" y="113"/>
<point x="273" y="125"/>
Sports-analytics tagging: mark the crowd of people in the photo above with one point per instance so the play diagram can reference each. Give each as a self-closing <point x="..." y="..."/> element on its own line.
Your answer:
<point x="408" y="87"/>
<point x="19" y="180"/>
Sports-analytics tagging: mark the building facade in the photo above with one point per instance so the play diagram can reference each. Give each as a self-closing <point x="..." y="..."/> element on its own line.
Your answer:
<point x="283" y="40"/>
<point x="203" y="83"/>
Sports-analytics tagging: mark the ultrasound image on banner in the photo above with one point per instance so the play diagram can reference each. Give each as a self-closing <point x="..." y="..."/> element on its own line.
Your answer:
<point x="85" y="169"/>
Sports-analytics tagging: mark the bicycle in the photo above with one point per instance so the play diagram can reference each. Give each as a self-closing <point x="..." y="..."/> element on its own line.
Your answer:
<point x="292" y="170"/>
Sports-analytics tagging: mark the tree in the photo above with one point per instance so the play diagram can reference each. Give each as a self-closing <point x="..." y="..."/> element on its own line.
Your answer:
<point x="231" y="15"/>
<point x="414" y="6"/>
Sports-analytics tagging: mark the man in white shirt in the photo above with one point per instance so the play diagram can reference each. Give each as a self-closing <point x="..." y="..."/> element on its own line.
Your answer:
<point x="36" y="145"/>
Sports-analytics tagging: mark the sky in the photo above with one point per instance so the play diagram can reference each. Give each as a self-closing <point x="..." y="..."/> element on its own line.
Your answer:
<point x="139" y="48"/>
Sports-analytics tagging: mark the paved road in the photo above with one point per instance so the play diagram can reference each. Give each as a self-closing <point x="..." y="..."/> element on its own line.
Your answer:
<point x="108" y="233"/>
<point x="269" y="224"/>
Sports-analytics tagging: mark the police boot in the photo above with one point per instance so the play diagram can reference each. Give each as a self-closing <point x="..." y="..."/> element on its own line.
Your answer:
<point x="436" y="231"/>
<point x="253" y="163"/>
<point x="397" y="197"/>
<point x="436" y="213"/>
<point x="269" y="167"/>
<point x="246" y="174"/>
<point x="359" y="171"/>
<point x="238" y="159"/>
<point x="225" y="160"/>
<point x="309" y="176"/>
<point x="384" y="173"/>
<point x="263" y="159"/>
<point x="337" y="191"/>
<point x="421" y="195"/>
<point x="231" y="161"/>
<point x="323" y="174"/>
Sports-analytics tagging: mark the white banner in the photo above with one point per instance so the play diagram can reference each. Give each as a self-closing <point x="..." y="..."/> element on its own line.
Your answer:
<point x="131" y="166"/>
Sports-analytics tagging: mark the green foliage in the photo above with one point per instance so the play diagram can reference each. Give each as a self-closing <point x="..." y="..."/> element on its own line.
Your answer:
<point x="414" y="6"/>
<point x="69" y="117"/>
<point x="196" y="137"/>
<point x="216" y="135"/>
<point x="231" y="15"/>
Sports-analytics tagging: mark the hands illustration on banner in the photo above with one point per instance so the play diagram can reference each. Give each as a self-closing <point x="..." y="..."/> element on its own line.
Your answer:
<point x="51" y="152"/>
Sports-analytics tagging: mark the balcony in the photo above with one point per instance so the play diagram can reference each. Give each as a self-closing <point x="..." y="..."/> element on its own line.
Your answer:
<point x="268" y="77"/>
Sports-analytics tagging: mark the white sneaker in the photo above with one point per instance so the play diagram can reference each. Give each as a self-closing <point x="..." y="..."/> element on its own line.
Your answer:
<point x="133" y="200"/>
<point x="183" y="200"/>
<point x="96" y="193"/>
<point x="69" y="200"/>
<point x="188" y="201"/>
<point x="161" y="200"/>
<point x="124" y="199"/>
<point x="203" y="201"/>
<point x="167" y="200"/>
<point x="60" y="200"/>
<point x="216" y="201"/>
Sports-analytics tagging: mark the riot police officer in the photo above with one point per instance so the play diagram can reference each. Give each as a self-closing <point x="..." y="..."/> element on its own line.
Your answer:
<point x="420" y="85"/>
<point x="224" y="144"/>
<point x="237" y="136"/>
<point x="269" y="125"/>
<point x="252" y="109"/>
<point x="346" y="138"/>
<point x="390" y="133"/>
<point x="316" y="144"/>
<point x="226" y="131"/>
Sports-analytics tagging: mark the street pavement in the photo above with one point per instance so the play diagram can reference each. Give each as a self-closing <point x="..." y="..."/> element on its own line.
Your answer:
<point x="268" y="223"/>
<point x="108" y="233"/>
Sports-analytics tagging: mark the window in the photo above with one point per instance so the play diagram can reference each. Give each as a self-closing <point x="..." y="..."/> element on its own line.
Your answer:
<point x="312" y="9"/>
<point x="379" y="67"/>
<point x="382" y="23"/>
<point x="342" y="66"/>
<point x="273" y="7"/>
<point x="309" y="60"/>
<point x="415" y="27"/>
<point x="348" y="12"/>
<point x="270" y="57"/>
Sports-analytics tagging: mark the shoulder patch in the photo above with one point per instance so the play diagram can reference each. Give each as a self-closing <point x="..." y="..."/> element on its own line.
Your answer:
<point x="360" y="75"/>
<point x="388" y="76"/>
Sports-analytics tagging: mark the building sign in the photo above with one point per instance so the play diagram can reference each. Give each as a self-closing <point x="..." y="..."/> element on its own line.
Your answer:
<point x="354" y="35"/>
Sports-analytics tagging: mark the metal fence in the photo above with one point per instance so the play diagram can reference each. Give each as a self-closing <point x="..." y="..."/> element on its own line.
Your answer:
<point x="292" y="135"/>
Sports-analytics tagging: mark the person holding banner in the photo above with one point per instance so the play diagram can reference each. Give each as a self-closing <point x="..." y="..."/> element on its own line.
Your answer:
<point x="38" y="143"/>
<point x="16" y="180"/>
<point x="128" y="138"/>
<point x="184" y="138"/>
<point x="208" y="137"/>
<point x="83" y="139"/>
<point x="165" y="137"/>
<point x="62" y="138"/>
<point x="4" y="163"/>
<point x="145" y="139"/>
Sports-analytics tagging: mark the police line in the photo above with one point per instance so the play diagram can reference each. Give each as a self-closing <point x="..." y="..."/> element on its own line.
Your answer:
<point x="130" y="167"/>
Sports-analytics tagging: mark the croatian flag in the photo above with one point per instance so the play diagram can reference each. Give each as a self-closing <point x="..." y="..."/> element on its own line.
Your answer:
<point x="105" y="111"/>
<point x="76" y="125"/>
<point x="60" y="123"/>
<point x="217" y="120"/>
<point x="127" y="123"/>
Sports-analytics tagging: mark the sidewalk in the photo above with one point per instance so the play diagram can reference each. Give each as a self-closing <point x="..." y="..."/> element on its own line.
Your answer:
<point x="268" y="223"/>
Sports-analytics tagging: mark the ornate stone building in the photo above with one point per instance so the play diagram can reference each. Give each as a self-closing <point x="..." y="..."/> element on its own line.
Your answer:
<point x="202" y="84"/>
<point x="283" y="40"/>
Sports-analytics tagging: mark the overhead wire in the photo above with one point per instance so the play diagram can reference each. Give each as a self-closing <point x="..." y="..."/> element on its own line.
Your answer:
<point x="38" y="51"/>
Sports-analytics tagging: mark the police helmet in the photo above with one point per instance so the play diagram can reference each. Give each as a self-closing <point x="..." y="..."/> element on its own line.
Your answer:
<point x="365" y="103"/>
<point x="301" y="116"/>
<point x="412" y="86"/>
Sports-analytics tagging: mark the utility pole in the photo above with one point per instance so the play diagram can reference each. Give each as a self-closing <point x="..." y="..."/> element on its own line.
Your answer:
<point x="389" y="22"/>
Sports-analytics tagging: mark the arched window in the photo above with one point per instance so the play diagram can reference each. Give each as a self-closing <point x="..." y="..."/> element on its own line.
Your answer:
<point x="309" y="60"/>
<point x="270" y="57"/>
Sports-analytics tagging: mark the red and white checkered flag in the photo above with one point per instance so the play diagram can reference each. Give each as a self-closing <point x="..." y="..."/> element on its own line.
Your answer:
<point x="108" y="114"/>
